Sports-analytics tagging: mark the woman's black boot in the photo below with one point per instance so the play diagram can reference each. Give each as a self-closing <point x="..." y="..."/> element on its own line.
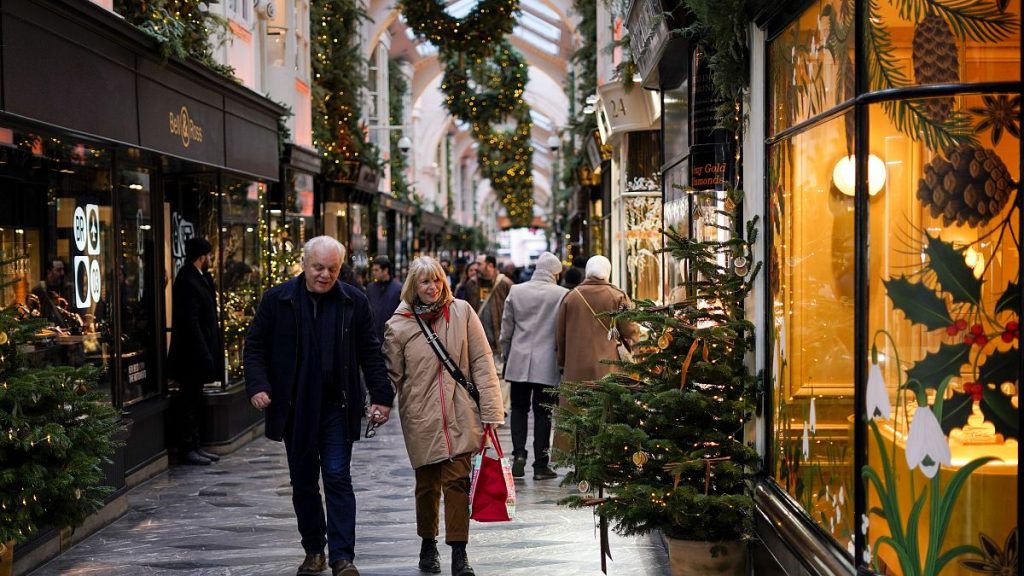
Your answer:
<point x="460" y="561"/>
<point x="430" y="558"/>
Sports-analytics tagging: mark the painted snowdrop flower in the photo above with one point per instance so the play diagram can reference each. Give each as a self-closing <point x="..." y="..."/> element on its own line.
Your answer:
<point x="807" y="443"/>
<point x="842" y="495"/>
<point x="927" y="446"/>
<point x="877" y="396"/>
<point x="812" y="417"/>
<point x="849" y="547"/>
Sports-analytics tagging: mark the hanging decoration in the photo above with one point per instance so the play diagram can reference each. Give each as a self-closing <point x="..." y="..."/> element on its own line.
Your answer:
<point x="338" y="80"/>
<point x="506" y="158"/>
<point x="481" y="90"/>
<point x="478" y="33"/>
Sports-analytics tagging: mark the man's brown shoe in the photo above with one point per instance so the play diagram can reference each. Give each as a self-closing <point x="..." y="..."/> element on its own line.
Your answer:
<point x="344" y="568"/>
<point x="313" y="565"/>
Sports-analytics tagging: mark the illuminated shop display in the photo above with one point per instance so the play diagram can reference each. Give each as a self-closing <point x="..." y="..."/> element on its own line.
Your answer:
<point x="922" y="253"/>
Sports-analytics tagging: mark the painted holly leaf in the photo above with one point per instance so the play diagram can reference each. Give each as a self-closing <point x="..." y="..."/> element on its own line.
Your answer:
<point x="955" y="411"/>
<point x="936" y="366"/>
<point x="999" y="410"/>
<point x="1010" y="299"/>
<point x="918" y="302"/>
<point x="954" y="275"/>
<point x="1000" y="366"/>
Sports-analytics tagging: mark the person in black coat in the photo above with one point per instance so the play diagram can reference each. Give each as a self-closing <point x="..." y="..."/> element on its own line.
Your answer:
<point x="196" y="355"/>
<point x="303" y="354"/>
<point x="384" y="293"/>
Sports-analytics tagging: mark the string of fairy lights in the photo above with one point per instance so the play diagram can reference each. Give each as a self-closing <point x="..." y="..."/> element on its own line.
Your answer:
<point x="484" y="81"/>
<point x="337" y="83"/>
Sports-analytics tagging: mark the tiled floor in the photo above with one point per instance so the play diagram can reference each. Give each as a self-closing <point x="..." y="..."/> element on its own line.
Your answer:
<point x="235" y="518"/>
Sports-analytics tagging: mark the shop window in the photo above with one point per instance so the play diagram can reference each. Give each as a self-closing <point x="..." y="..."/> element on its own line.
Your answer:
<point x="190" y="210"/>
<point x="811" y="63"/>
<point x="677" y="220"/>
<point x="811" y="268"/>
<point x="56" y="240"/>
<point x="942" y="393"/>
<point x="139" y="282"/>
<point x="242" y="265"/>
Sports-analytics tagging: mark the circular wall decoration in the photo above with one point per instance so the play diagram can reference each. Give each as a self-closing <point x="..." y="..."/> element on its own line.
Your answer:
<point x="482" y="90"/>
<point x="477" y="33"/>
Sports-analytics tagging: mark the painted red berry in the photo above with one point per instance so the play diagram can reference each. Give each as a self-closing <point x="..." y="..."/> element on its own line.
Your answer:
<point x="981" y="340"/>
<point x="961" y="324"/>
<point x="1007" y="336"/>
<point x="1016" y="334"/>
<point x="1012" y="325"/>
<point x="968" y="339"/>
<point x="977" y="330"/>
<point x="951" y="330"/>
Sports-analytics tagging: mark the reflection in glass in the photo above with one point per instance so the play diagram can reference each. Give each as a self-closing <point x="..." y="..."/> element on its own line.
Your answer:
<point x="812" y="275"/>
<point x="241" y="264"/>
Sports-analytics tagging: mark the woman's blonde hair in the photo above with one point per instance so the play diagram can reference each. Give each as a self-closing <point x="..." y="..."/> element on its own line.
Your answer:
<point x="425" y="267"/>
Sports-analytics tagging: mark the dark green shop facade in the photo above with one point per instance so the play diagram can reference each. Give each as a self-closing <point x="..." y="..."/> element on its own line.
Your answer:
<point x="111" y="158"/>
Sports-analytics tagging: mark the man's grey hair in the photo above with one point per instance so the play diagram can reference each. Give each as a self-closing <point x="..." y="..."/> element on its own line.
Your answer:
<point x="323" y="243"/>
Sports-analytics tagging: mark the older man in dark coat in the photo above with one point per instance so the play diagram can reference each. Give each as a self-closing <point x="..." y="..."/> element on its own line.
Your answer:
<point x="196" y="355"/>
<point x="303" y="353"/>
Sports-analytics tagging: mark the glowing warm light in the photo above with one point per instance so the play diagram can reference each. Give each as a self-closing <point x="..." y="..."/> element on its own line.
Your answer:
<point x="844" y="175"/>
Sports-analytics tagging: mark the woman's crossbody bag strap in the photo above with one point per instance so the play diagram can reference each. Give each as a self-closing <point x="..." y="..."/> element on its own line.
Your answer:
<point x="446" y="360"/>
<point x="591" y="308"/>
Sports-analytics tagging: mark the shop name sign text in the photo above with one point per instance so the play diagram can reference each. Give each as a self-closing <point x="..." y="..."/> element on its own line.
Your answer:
<point x="182" y="124"/>
<point x="710" y="175"/>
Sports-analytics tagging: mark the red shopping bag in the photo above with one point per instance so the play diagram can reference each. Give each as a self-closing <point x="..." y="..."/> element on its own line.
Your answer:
<point x="492" y="491"/>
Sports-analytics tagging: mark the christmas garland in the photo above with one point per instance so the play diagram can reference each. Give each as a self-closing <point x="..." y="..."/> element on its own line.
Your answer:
<point x="184" y="28"/>
<point x="397" y="90"/>
<point x="506" y="158"/>
<point x="338" y="80"/>
<point x="478" y="33"/>
<point x="487" y="89"/>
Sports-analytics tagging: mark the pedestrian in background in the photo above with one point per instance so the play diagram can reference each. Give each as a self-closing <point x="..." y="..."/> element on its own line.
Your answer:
<point x="303" y="354"/>
<point x="583" y="337"/>
<point x="441" y="422"/>
<point x="468" y="273"/>
<point x="196" y="354"/>
<point x="531" y="367"/>
<point x="486" y="294"/>
<point x="384" y="293"/>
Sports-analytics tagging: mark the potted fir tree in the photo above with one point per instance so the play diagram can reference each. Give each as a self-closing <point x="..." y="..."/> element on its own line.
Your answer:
<point x="660" y="443"/>
<point x="56" y="431"/>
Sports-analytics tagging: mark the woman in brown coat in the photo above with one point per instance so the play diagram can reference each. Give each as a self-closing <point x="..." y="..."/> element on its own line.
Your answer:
<point x="440" y="420"/>
<point x="581" y="337"/>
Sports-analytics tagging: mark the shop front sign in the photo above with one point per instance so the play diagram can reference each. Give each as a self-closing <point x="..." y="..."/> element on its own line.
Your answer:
<point x="86" y="264"/>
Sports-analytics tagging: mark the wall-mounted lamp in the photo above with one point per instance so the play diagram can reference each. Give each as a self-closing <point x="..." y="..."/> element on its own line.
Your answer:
<point x="975" y="261"/>
<point x="844" y="175"/>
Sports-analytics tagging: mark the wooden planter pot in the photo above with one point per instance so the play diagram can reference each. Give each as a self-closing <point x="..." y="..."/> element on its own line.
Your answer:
<point x="694" y="558"/>
<point x="6" y="558"/>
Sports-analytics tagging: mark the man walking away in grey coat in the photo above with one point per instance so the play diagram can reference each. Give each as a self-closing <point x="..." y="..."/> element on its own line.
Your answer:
<point x="531" y="367"/>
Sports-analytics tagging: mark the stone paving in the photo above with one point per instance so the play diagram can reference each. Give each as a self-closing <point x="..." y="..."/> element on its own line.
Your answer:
<point x="235" y="518"/>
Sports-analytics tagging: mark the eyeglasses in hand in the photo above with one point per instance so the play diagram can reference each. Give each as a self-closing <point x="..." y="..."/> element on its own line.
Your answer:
<point x="372" y="423"/>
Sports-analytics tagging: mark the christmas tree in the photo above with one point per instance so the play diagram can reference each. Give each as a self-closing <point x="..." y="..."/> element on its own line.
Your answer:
<point x="660" y="441"/>
<point x="56" y="431"/>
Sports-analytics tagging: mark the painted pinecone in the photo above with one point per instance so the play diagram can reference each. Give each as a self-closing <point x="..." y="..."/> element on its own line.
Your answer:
<point x="936" y="62"/>
<point x="971" y="187"/>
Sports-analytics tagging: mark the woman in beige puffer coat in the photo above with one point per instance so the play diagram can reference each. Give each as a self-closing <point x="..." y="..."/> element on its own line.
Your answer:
<point x="441" y="422"/>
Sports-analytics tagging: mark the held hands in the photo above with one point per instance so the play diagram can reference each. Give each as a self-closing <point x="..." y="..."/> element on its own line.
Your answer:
<point x="260" y="400"/>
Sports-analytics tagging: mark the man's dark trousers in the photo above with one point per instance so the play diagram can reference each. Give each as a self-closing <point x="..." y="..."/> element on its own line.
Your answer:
<point x="521" y="395"/>
<point x="332" y="456"/>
